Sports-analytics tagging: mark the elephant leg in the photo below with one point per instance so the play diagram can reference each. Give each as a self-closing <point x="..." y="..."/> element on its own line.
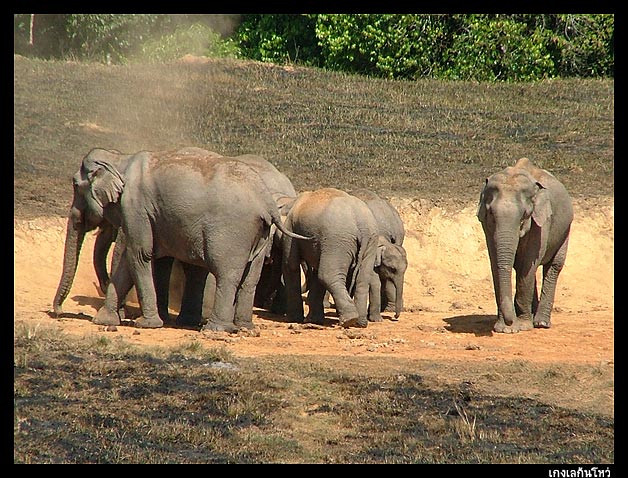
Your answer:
<point x="315" y="297"/>
<point x="525" y="289"/>
<point x="222" y="315"/>
<point x="278" y="305"/>
<point x="264" y="292"/>
<point x="161" y="276"/>
<point x="291" y="267"/>
<point x="375" y="294"/>
<point x="192" y="300"/>
<point x="119" y="286"/>
<point x="551" y="271"/>
<point x="209" y="293"/>
<point x="246" y="293"/>
<point x="141" y="266"/>
<point x="388" y="296"/>
<point x="332" y="273"/>
<point x="363" y="284"/>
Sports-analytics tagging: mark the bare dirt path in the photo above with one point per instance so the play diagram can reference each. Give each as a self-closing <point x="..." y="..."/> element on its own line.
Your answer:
<point x="449" y="301"/>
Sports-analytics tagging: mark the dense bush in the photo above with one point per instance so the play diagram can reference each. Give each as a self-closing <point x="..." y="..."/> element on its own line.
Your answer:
<point x="461" y="46"/>
<point x="279" y="38"/>
<point x="488" y="47"/>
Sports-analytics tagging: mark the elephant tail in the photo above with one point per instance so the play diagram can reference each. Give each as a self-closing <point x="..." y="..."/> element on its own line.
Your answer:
<point x="276" y="220"/>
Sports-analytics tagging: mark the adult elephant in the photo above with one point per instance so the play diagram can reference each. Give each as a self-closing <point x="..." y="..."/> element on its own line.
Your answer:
<point x="526" y="215"/>
<point x="211" y="212"/>
<point x="269" y="293"/>
<point x="185" y="280"/>
<point x="340" y="259"/>
<point x="394" y="262"/>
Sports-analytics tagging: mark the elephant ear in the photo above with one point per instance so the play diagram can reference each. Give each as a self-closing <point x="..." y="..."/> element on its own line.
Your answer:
<point x="542" y="206"/>
<point x="106" y="183"/>
<point x="481" y="212"/>
<point x="381" y="248"/>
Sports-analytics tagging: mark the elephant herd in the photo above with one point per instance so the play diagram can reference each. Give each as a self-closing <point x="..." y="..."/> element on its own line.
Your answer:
<point x="243" y="237"/>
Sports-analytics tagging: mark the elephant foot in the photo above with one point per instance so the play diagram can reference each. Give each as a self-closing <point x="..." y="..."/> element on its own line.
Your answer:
<point x="315" y="319"/>
<point x="542" y="323"/>
<point x="219" y="327"/>
<point x="353" y="322"/>
<point x="375" y="318"/>
<point x="518" y="325"/>
<point x="105" y="316"/>
<point x="186" y="320"/>
<point x="147" y="323"/>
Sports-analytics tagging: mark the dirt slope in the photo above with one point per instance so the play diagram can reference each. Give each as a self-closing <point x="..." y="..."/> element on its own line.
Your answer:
<point x="449" y="302"/>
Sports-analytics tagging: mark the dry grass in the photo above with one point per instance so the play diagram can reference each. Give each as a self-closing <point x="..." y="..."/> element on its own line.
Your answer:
<point x="98" y="400"/>
<point x="426" y="139"/>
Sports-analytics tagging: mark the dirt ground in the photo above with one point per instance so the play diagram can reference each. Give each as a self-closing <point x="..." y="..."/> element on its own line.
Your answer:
<point x="449" y="302"/>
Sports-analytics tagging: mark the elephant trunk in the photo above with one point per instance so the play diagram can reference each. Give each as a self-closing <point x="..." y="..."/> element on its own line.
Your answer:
<point x="504" y="261"/>
<point x="398" y="298"/>
<point x="73" y="242"/>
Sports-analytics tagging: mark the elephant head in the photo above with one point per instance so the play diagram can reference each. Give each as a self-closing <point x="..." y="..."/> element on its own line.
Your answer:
<point x="391" y="263"/>
<point x="97" y="185"/>
<point x="512" y="203"/>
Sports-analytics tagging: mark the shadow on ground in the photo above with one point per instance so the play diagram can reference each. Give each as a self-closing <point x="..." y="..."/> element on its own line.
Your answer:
<point x="479" y="325"/>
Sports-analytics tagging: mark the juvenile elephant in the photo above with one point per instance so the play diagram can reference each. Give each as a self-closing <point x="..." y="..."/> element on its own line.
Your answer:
<point x="526" y="215"/>
<point x="392" y="268"/>
<point x="340" y="259"/>
<point x="211" y="212"/>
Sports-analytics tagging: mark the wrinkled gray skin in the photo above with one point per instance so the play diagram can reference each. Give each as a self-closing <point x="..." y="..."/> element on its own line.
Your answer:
<point x="172" y="204"/>
<point x="526" y="214"/>
<point x="269" y="291"/>
<point x="392" y="269"/>
<point x="107" y="234"/>
<point x="340" y="259"/>
<point x="171" y="275"/>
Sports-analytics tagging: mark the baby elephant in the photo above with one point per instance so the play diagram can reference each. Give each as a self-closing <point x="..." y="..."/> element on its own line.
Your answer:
<point x="526" y="214"/>
<point x="340" y="259"/>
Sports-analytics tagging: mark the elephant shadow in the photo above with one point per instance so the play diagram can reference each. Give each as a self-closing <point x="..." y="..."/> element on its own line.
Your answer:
<point x="479" y="325"/>
<point x="331" y="317"/>
<point x="132" y="312"/>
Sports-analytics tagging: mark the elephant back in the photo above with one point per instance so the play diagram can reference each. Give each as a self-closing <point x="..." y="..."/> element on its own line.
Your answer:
<point x="389" y="222"/>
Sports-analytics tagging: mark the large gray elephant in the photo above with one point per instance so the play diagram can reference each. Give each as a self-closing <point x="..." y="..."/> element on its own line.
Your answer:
<point x="526" y="215"/>
<point x="340" y="259"/>
<point x="269" y="293"/>
<point x="212" y="212"/>
<point x="269" y="289"/>
<point x="394" y="262"/>
<point x="186" y="280"/>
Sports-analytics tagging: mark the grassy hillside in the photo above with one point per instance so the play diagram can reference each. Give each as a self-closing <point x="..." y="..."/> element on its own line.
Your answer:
<point x="424" y="139"/>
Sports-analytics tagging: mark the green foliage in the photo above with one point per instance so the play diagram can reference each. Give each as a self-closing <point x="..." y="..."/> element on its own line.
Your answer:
<point x="480" y="47"/>
<point x="462" y="46"/>
<point x="195" y="39"/>
<point x="494" y="47"/>
<point x="116" y="38"/>
<point x="108" y="37"/>
<point x="279" y="38"/>
<point x="392" y="46"/>
<point x="586" y="46"/>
